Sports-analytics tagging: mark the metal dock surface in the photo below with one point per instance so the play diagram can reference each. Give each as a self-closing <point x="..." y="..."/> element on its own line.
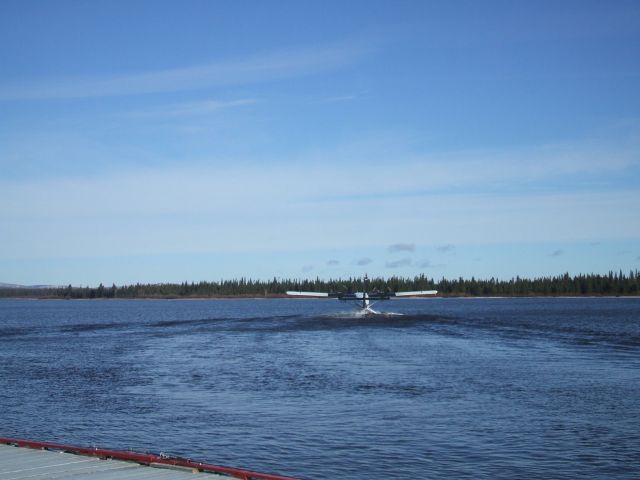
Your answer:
<point x="23" y="459"/>
<point x="26" y="463"/>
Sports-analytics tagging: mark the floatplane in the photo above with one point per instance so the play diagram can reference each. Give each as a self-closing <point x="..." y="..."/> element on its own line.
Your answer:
<point x="365" y="299"/>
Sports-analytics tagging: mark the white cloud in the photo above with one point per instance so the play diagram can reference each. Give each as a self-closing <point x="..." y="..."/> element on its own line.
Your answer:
<point x="252" y="69"/>
<point x="202" y="107"/>
<point x="251" y="207"/>
<point x="500" y="169"/>
<point x="258" y="209"/>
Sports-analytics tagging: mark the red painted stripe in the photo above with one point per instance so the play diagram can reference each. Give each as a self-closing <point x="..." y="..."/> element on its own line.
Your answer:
<point x="143" y="458"/>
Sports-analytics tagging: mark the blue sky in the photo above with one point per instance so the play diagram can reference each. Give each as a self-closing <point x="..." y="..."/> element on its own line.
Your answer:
<point x="167" y="141"/>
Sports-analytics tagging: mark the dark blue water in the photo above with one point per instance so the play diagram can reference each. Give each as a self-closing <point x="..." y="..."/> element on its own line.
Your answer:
<point x="491" y="388"/>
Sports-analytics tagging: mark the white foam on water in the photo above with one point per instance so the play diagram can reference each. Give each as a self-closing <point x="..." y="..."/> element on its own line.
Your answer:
<point x="361" y="314"/>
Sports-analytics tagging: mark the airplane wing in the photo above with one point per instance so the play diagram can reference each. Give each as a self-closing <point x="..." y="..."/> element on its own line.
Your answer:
<point x="359" y="295"/>
<point x="417" y="293"/>
<point x="307" y="294"/>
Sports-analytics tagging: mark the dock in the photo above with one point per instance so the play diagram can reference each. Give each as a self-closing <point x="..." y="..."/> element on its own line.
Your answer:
<point x="24" y="459"/>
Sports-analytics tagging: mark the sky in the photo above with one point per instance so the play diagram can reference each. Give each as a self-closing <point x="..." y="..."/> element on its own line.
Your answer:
<point x="153" y="141"/>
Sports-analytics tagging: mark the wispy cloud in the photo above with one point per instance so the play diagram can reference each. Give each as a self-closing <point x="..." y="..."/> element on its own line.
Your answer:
<point x="333" y="263"/>
<point x="179" y="209"/>
<point x="338" y="98"/>
<point x="402" y="247"/>
<point x="508" y="170"/>
<point x="445" y="248"/>
<point x="556" y="253"/>
<point x="203" y="107"/>
<point x="404" y="262"/>
<point x="344" y="98"/>
<point x="429" y="264"/>
<point x="252" y="69"/>
<point x="307" y="268"/>
<point x="407" y="262"/>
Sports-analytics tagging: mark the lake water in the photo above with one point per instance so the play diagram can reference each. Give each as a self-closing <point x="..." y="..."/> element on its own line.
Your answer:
<point x="453" y="388"/>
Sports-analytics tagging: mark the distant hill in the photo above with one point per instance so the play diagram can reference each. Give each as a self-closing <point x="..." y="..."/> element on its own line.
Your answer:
<point x="34" y="287"/>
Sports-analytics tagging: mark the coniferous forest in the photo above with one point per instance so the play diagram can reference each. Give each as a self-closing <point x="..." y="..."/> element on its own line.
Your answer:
<point x="611" y="284"/>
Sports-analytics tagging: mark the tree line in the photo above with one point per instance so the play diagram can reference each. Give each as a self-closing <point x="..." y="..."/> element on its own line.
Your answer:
<point x="613" y="283"/>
